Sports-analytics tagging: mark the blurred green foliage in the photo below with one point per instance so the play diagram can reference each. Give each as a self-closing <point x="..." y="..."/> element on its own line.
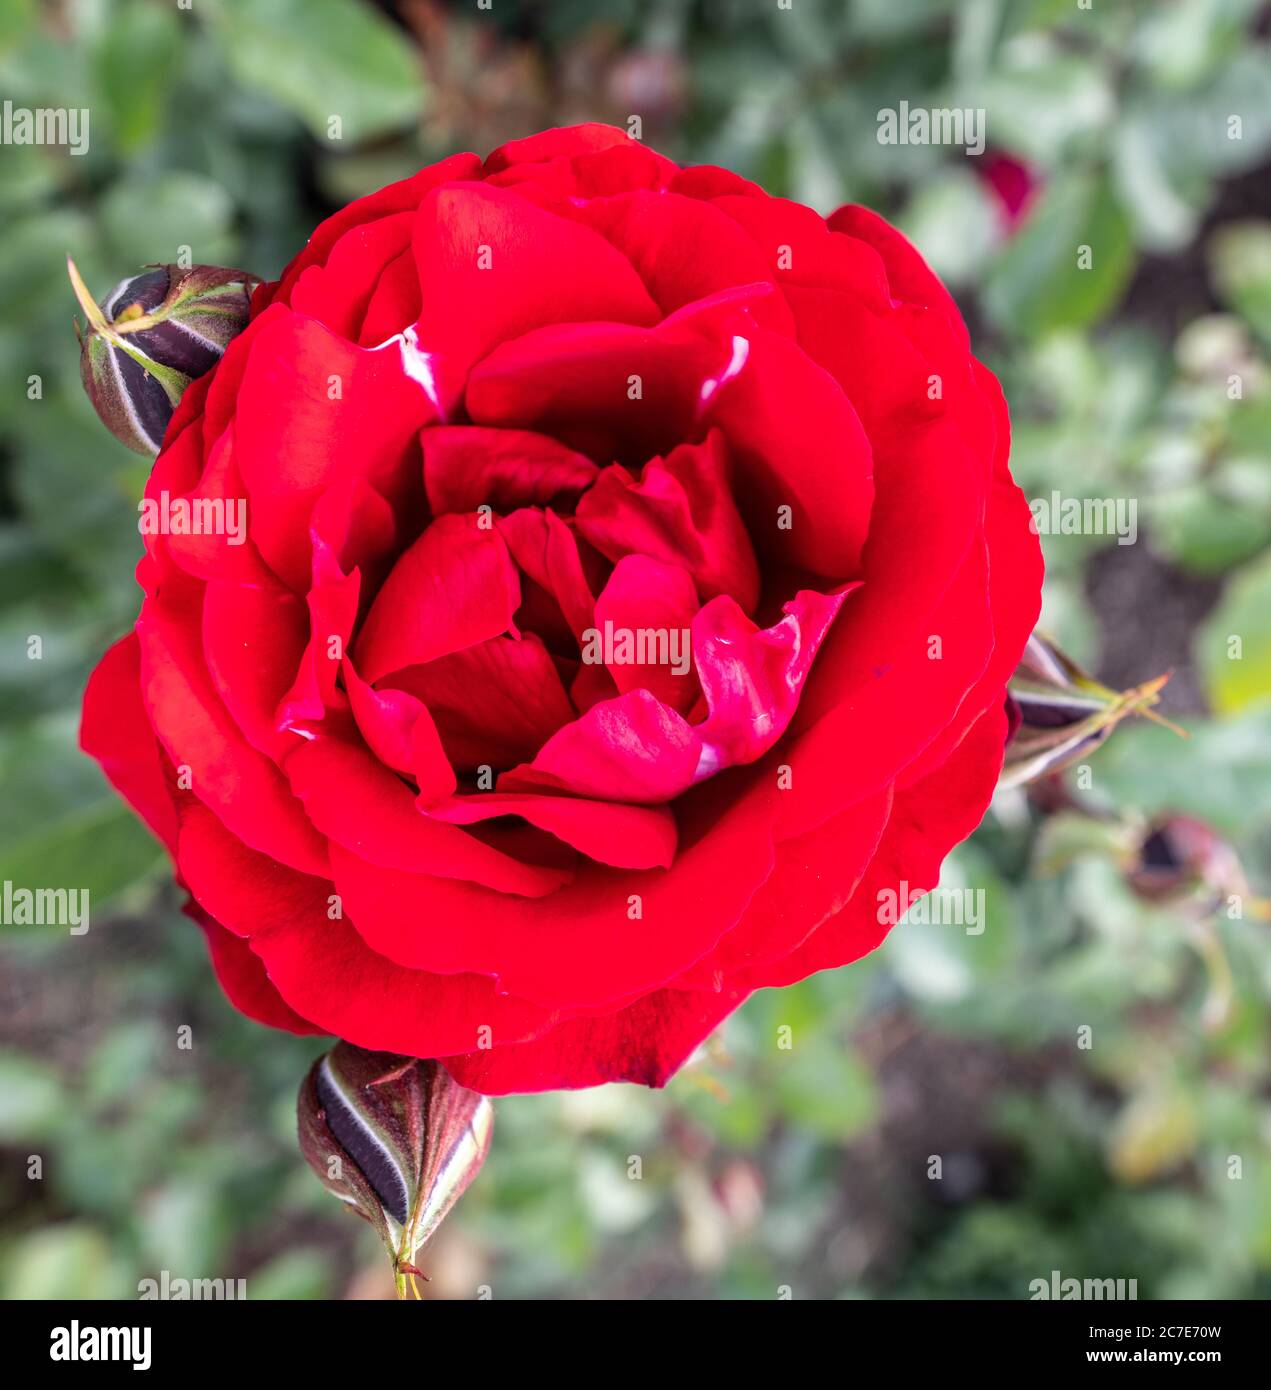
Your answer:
<point x="762" y="1166"/>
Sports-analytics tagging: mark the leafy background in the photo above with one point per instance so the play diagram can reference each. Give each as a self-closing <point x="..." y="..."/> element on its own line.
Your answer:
<point x="762" y="1167"/>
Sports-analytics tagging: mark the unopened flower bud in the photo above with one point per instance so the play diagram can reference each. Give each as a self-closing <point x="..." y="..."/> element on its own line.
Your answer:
<point x="1058" y="713"/>
<point x="151" y="337"/>
<point x="1180" y="858"/>
<point x="395" y="1138"/>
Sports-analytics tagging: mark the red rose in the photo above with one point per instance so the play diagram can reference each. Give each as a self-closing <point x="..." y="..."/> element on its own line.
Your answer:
<point x="631" y="577"/>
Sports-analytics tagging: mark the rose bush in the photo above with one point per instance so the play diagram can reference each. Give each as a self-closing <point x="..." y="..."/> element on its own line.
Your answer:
<point x="496" y="421"/>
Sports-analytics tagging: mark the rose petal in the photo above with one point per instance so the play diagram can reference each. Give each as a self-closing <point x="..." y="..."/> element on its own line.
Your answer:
<point x="645" y="595"/>
<point x="627" y="837"/>
<point x="647" y="1042"/>
<point x="753" y="677"/>
<point x="494" y="704"/>
<point x="242" y="976"/>
<point x="293" y="920"/>
<point x="493" y="266"/>
<point x="633" y="748"/>
<point x="454" y="588"/>
<point x="116" y="732"/>
<point x="400" y="732"/>
<point x="357" y="802"/>
<point x="243" y="787"/>
<point x="466" y="465"/>
<point x="314" y="411"/>
<point x="681" y="512"/>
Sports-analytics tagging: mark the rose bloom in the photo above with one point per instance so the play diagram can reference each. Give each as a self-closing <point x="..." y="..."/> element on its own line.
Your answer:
<point x="632" y="577"/>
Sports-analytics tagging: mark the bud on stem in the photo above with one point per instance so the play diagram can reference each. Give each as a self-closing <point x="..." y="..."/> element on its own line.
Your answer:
<point x="396" y="1139"/>
<point x="1059" y="713"/>
<point x="151" y="337"/>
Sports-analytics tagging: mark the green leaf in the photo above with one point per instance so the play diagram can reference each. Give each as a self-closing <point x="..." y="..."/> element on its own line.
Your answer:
<point x="828" y="1092"/>
<point x="1204" y="531"/>
<point x="1222" y="774"/>
<point x="61" y="824"/>
<point x="1234" y="646"/>
<point x="952" y="223"/>
<point x="17" y="18"/>
<point x="30" y="1098"/>
<point x="72" y="1260"/>
<point x="293" y="1274"/>
<point x="103" y="849"/>
<point x="1044" y="279"/>
<point x="151" y="217"/>
<point x="1043" y="103"/>
<point x="137" y="62"/>
<point x="324" y="59"/>
<point x="1240" y="259"/>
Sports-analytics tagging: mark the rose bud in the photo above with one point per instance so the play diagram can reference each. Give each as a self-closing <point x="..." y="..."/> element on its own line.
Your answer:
<point x="1180" y="857"/>
<point x="1183" y="864"/>
<point x="1013" y="186"/>
<point x="395" y="1138"/>
<point x="153" y="335"/>
<point x="1058" y="713"/>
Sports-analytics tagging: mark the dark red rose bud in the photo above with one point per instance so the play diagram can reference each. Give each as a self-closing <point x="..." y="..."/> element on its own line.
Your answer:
<point x="1014" y="186"/>
<point x="153" y="335"/>
<point x="1180" y="857"/>
<point x="1058" y="713"/>
<point x="395" y="1138"/>
<point x="1183" y="864"/>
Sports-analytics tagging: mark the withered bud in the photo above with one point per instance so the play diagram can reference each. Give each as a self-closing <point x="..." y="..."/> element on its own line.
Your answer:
<point x="1180" y="857"/>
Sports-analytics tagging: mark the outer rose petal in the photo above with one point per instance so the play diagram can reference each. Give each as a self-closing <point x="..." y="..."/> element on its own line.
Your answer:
<point x="286" y="917"/>
<point x="114" y="730"/>
<point x="813" y="878"/>
<point x="683" y="249"/>
<point x="545" y="949"/>
<point x="646" y="1042"/>
<point x="296" y="434"/>
<point x="340" y="291"/>
<point x="492" y="266"/>
<point x="403" y="196"/>
<point x="359" y="803"/>
<point x="552" y="144"/>
<point x="242" y="976"/>
<point x="246" y="789"/>
<point x="254" y="637"/>
<point x="927" y="821"/>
